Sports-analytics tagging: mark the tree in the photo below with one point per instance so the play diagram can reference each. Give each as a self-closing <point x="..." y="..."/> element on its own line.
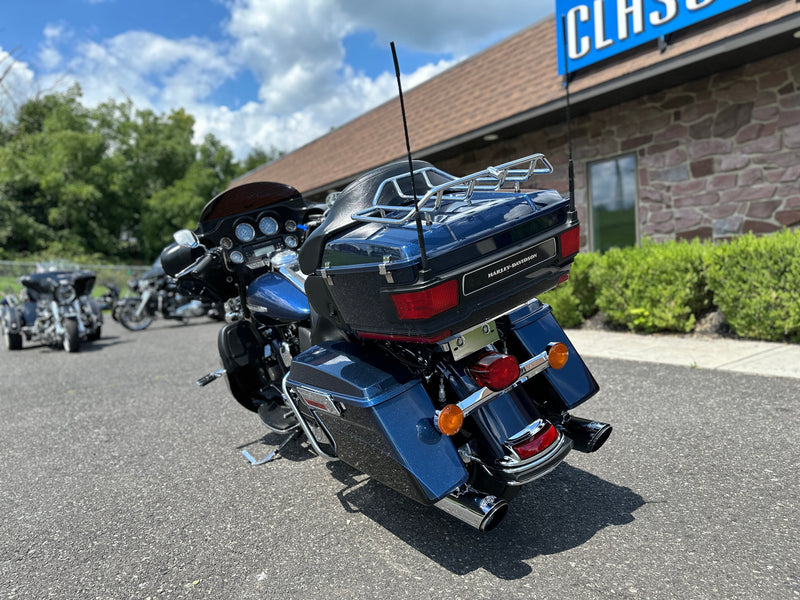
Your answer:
<point x="112" y="180"/>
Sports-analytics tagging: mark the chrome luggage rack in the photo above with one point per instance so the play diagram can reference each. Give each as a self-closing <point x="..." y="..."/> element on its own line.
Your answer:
<point x="455" y="189"/>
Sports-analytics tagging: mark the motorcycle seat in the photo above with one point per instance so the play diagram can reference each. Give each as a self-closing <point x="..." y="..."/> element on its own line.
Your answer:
<point x="356" y="196"/>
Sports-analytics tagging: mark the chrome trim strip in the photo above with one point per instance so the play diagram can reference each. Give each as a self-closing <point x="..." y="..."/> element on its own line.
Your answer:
<point x="536" y="467"/>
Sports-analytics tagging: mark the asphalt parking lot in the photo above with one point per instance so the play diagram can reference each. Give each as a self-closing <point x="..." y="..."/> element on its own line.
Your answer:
<point x="122" y="479"/>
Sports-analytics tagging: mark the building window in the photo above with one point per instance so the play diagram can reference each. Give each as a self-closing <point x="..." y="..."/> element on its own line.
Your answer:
<point x="612" y="202"/>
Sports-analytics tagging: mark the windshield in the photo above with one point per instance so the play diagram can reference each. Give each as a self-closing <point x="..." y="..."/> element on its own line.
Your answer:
<point x="247" y="197"/>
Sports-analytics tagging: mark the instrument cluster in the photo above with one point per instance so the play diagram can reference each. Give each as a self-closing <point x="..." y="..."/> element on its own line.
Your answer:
<point x="250" y="240"/>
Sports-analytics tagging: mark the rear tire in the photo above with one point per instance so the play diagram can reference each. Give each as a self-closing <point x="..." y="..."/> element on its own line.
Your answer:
<point x="72" y="341"/>
<point x="95" y="335"/>
<point x="129" y="320"/>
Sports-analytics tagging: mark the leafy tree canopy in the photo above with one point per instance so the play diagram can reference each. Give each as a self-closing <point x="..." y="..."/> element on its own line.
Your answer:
<point x="111" y="181"/>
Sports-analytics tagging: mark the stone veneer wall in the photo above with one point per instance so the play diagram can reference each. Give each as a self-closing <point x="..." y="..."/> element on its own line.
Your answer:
<point x="716" y="157"/>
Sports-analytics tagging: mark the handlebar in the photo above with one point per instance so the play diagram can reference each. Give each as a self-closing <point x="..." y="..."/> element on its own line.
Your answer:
<point x="200" y="264"/>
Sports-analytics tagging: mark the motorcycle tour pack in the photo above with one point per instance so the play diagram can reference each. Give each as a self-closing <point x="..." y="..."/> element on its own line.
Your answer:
<point x="399" y="331"/>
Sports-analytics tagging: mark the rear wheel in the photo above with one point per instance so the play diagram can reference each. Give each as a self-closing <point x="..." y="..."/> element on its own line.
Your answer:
<point x="95" y="335"/>
<point x="130" y="320"/>
<point x="72" y="341"/>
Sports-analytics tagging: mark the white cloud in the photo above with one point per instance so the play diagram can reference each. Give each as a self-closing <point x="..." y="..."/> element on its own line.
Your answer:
<point x="294" y="50"/>
<point x="17" y="82"/>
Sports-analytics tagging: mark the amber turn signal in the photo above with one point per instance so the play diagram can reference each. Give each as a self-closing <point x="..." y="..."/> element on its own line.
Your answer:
<point x="450" y="419"/>
<point x="557" y="355"/>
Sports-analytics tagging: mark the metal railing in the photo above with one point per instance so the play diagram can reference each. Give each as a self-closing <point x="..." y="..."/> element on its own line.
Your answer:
<point x="457" y="189"/>
<point x="119" y="275"/>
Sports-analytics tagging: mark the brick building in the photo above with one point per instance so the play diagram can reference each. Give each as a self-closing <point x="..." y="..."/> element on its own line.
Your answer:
<point x="694" y="137"/>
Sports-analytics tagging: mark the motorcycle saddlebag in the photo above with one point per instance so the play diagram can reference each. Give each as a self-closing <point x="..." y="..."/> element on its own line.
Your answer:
<point x="485" y="258"/>
<point x="379" y="418"/>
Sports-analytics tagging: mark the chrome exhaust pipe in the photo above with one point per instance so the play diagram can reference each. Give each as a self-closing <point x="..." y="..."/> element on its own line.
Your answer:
<point x="475" y="508"/>
<point x="588" y="436"/>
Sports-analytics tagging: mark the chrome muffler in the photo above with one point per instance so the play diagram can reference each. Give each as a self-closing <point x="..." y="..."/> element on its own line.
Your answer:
<point x="588" y="436"/>
<point x="482" y="511"/>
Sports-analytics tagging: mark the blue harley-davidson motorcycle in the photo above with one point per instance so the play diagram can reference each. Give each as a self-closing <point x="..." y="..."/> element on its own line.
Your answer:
<point x="401" y="333"/>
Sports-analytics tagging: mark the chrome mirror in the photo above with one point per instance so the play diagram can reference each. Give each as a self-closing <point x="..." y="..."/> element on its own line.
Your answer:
<point x="186" y="238"/>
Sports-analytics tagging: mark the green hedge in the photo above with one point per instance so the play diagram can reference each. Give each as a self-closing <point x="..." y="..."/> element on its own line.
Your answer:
<point x="753" y="281"/>
<point x="756" y="285"/>
<point x="653" y="287"/>
<point x="576" y="300"/>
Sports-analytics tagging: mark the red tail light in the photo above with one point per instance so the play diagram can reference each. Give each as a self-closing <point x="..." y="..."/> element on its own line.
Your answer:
<point x="570" y="241"/>
<point x="495" y="371"/>
<point x="539" y="442"/>
<point x="426" y="303"/>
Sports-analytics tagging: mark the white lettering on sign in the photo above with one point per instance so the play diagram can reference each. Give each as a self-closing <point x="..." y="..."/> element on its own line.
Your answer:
<point x="670" y="12"/>
<point x="697" y="4"/>
<point x="581" y="13"/>
<point x="630" y="17"/>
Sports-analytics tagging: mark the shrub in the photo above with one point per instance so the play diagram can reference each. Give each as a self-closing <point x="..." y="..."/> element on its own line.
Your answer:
<point x="564" y="304"/>
<point x="756" y="284"/>
<point x="575" y="301"/>
<point x="581" y="282"/>
<point x="654" y="287"/>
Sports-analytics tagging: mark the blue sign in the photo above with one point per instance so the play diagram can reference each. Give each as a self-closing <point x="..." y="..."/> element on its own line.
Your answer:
<point x="598" y="29"/>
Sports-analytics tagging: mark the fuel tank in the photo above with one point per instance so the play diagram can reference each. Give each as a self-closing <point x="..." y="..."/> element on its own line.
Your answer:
<point x="272" y="297"/>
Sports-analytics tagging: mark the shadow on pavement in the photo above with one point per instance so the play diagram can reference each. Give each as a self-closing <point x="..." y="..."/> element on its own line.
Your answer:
<point x="557" y="513"/>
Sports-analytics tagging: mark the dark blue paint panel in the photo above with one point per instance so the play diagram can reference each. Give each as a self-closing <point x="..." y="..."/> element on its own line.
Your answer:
<point x="535" y="327"/>
<point x="400" y="414"/>
<point x="278" y="298"/>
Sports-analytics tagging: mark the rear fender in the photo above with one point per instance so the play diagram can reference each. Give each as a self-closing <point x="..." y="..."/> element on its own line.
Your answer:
<point x="532" y="328"/>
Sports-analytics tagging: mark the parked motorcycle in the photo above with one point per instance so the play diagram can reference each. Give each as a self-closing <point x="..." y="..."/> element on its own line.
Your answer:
<point x="417" y="352"/>
<point x="54" y="308"/>
<point x="158" y="294"/>
<point x="110" y="300"/>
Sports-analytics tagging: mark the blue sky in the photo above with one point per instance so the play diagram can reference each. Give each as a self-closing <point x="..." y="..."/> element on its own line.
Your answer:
<point x="255" y="73"/>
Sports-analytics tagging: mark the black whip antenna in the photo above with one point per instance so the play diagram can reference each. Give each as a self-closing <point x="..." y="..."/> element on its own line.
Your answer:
<point x="572" y="213"/>
<point x="423" y="258"/>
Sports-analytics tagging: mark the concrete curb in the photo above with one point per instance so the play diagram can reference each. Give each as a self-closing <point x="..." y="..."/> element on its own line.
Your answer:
<point x="743" y="356"/>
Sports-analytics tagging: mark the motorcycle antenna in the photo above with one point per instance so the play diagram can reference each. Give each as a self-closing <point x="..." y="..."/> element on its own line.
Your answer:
<point x="423" y="258"/>
<point x="573" y="215"/>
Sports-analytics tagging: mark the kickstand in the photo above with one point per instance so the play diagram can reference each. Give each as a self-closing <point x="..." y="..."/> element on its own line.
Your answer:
<point x="272" y="455"/>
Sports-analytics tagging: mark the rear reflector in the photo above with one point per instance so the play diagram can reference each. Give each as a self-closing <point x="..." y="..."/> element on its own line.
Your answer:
<point x="495" y="371"/>
<point x="539" y="442"/>
<point x="417" y="339"/>
<point x="571" y="241"/>
<point x="426" y="303"/>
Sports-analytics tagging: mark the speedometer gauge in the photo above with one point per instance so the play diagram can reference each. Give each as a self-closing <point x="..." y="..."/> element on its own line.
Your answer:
<point x="245" y="232"/>
<point x="268" y="226"/>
